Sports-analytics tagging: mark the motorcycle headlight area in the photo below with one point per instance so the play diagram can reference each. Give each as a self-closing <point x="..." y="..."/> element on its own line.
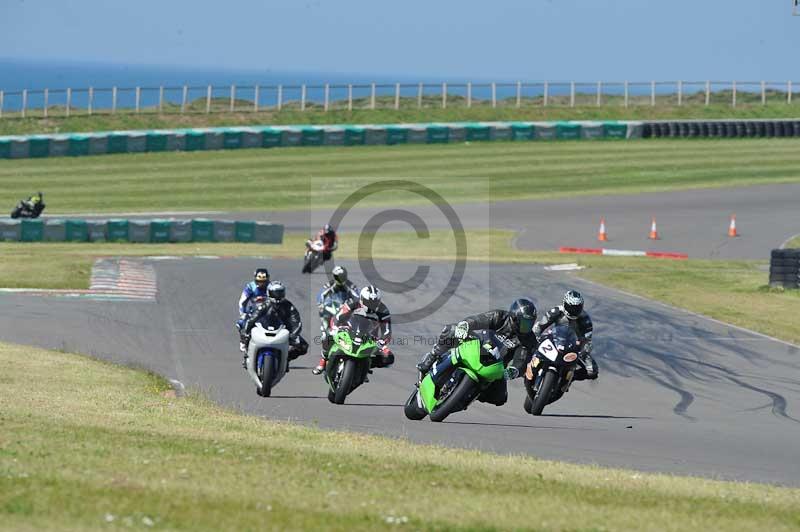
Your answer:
<point x="345" y="344"/>
<point x="570" y="357"/>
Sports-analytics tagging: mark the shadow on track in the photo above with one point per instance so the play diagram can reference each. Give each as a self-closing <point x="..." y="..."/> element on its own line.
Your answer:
<point x="590" y="416"/>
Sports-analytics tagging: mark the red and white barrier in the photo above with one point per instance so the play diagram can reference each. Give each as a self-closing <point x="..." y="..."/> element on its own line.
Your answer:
<point x="624" y="253"/>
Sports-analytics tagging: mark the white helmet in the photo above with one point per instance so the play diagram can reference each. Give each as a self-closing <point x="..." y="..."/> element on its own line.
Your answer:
<point x="370" y="297"/>
<point x="573" y="304"/>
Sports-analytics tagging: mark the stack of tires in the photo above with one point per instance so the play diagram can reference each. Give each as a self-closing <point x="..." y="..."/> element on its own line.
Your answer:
<point x="784" y="268"/>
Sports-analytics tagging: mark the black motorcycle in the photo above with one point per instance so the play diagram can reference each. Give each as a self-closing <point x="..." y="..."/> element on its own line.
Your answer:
<point x="28" y="209"/>
<point x="550" y="371"/>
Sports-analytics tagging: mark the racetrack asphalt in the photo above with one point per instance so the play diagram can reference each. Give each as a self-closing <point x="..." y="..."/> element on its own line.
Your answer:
<point x="677" y="393"/>
<point x="689" y="221"/>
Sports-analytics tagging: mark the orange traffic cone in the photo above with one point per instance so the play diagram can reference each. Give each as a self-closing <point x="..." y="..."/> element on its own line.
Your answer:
<point x="653" y="230"/>
<point x="602" y="236"/>
<point x="732" y="227"/>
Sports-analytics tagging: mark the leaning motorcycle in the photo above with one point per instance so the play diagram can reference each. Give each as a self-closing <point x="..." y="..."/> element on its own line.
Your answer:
<point x="551" y="369"/>
<point x="459" y="377"/>
<point x="314" y="255"/>
<point x="23" y="210"/>
<point x="349" y="357"/>
<point x="268" y="353"/>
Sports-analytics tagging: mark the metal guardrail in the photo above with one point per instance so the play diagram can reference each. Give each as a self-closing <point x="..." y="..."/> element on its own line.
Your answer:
<point x="328" y="97"/>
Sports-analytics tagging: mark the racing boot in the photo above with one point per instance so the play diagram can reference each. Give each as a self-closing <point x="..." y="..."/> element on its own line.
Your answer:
<point x="320" y="367"/>
<point x="427" y="362"/>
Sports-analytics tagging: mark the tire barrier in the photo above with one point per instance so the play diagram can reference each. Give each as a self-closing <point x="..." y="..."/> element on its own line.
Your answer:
<point x="232" y="138"/>
<point x="141" y="231"/>
<point x="784" y="268"/>
<point x="721" y="128"/>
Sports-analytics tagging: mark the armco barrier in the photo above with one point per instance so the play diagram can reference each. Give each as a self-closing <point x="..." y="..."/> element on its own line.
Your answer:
<point x="230" y="138"/>
<point x="139" y="231"/>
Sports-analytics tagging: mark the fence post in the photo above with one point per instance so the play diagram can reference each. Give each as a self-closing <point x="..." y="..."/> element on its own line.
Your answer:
<point x="519" y="94"/>
<point x="46" y="103"/>
<point x="372" y="96"/>
<point x="572" y="94"/>
<point x="24" y="101"/>
<point x="444" y="95"/>
<point x="599" y="92"/>
<point x="788" y="95"/>
<point x="208" y="99"/>
<point x="1" y="103"/>
<point x="733" y="95"/>
<point x="546" y="92"/>
<point x="184" y="95"/>
<point x="280" y="97"/>
<point x="69" y="100"/>
<point x="138" y="99"/>
<point x="708" y="92"/>
<point x="652" y="93"/>
<point x="233" y="99"/>
<point x="303" y="97"/>
<point x="419" y="96"/>
<point x="627" y="93"/>
<point x="349" y="96"/>
<point x="327" y="97"/>
<point x="91" y="99"/>
<point x="763" y="92"/>
<point x="494" y="94"/>
<point x="161" y="99"/>
<point x="397" y="96"/>
<point x="680" y="93"/>
<point x="469" y="94"/>
<point x="113" y="100"/>
<point x="256" y="94"/>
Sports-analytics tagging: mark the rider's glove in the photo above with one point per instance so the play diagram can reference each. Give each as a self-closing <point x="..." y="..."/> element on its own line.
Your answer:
<point x="462" y="330"/>
<point x="511" y="373"/>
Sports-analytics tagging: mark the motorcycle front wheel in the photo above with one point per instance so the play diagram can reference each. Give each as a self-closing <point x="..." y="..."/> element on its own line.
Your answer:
<point x="456" y="401"/>
<point x="549" y="380"/>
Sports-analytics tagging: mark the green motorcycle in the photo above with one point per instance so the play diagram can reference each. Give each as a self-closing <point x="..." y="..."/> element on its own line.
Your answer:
<point x="349" y="357"/>
<point x="458" y="379"/>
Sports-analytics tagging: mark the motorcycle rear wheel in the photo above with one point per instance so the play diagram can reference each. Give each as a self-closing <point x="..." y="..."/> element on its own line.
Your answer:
<point x="456" y="401"/>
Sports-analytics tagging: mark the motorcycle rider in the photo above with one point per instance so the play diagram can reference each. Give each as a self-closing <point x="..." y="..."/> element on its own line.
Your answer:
<point x="514" y="327"/>
<point x="369" y="305"/>
<point x="571" y="313"/>
<point x="257" y="288"/>
<point x="339" y="287"/>
<point x="329" y="239"/>
<point x="276" y="299"/>
<point x="34" y="204"/>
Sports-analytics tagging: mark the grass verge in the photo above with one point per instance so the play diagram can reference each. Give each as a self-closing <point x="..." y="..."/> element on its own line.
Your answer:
<point x="298" y="178"/>
<point x="112" y="448"/>
<point x="735" y="292"/>
<point x="612" y="110"/>
<point x="794" y="243"/>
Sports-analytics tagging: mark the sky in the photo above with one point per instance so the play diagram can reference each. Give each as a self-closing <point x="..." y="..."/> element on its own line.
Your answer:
<point x="445" y="39"/>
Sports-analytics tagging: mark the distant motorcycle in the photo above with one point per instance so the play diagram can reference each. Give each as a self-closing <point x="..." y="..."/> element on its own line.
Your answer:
<point x="24" y="209"/>
<point x="314" y="256"/>
<point x="550" y="371"/>
<point x="268" y="353"/>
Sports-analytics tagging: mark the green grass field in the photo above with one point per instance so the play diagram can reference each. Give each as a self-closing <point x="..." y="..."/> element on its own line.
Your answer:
<point x="296" y="178"/>
<point x="613" y="109"/>
<point x="104" y="447"/>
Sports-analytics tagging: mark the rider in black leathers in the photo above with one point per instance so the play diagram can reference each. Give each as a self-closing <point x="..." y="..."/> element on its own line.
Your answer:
<point x="276" y="298"/>
<point x="514" y="327"/>
<point x="571" y="313"/>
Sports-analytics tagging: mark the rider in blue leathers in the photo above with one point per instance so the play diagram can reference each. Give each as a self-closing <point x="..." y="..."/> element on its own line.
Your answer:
<point x="257" y="288"/>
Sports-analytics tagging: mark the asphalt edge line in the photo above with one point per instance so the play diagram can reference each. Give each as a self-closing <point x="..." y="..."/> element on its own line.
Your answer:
<point x="692" y="313"/>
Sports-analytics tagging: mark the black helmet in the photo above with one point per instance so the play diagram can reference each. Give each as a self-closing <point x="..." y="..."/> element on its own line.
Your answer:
<point x="370" y="297"/>
<point x="339" y="275"/>
<point x="276" y="291"/>
<point x="261" y="277"/>
<point x="573" y="304"/>
<point x="523" y="314"/>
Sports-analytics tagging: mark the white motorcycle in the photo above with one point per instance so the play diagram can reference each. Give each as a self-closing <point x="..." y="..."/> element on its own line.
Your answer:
<point x="314" y="255"/>
<point x="268" y="353"/>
